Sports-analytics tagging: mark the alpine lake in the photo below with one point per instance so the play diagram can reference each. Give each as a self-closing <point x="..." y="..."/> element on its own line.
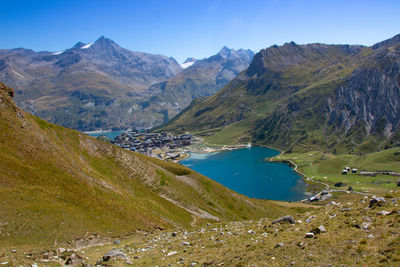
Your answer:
<point x="247" y="172"/>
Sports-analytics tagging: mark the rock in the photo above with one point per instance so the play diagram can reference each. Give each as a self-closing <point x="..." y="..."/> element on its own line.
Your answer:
<point x="171" y="253"/>
<point x="114" y="253"/>
<point x="384" y="212"/>
<point x="318" y="230"/>
<point x="14" y="251"/>
<point x="365" y="225"/>
<point x="185" y="244"/>
<point x="332" y="203"/>
<point x="117" y="242"/>
<point x="250" y="232"/>
<point x="193" y="263"/>
<point x="309" y="235"/>
<point x="376" y="201"/>
<point x="279" y="245"/>
<point x="286" y="218"/>
<point x="308" y="220"/>
<point x="61" y="250"/>
<point x="366" y="218"/>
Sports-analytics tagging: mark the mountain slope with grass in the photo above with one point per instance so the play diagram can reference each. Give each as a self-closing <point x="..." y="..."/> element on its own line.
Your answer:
<point x="57" y="185"/>
<point x="339" y="98"/>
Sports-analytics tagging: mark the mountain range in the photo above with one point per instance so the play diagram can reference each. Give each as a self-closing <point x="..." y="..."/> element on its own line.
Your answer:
<point x="101" y="85"/>
<point x="342" y="98"/>
<point x="202" y="78"/>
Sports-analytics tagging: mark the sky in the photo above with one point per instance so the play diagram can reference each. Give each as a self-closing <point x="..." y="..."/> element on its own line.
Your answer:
<point x="195" y="28"/>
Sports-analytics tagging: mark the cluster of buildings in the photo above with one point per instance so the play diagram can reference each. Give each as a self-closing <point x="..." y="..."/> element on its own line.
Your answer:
<point x="162" y="145"/>
<point x="347" y="170"/>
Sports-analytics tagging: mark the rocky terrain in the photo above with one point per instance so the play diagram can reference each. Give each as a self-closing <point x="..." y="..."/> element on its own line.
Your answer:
<point x="348" y="230"/>
<point x="336" y="97"/>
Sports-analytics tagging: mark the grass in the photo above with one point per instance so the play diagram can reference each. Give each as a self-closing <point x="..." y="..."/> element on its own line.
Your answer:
<point x="326" y="168"/>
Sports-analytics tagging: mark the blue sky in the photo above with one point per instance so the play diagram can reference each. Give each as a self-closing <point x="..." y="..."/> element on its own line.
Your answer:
<point x="198" y="28"/>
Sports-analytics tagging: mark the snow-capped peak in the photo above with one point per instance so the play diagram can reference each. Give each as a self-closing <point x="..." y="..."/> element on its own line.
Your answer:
<point x="87" y="46"/>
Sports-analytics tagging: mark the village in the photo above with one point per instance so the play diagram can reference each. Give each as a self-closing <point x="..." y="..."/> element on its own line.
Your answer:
<point x="163" y="145"/>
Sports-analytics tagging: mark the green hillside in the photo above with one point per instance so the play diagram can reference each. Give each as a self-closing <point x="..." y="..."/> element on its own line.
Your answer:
<point x="57" y="185"/>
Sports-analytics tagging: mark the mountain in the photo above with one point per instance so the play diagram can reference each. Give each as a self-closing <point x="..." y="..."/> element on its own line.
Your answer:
<point x="57" y="184"/>
<point x="88" y="86"/>
<point x="188" y="62"/>
<point x="340" y="98"/>
<point x="203" y="78"/>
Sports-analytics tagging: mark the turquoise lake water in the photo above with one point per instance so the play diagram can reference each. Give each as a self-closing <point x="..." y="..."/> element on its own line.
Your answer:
<point x="110" y="135"/>
<point x="246" y="171"/>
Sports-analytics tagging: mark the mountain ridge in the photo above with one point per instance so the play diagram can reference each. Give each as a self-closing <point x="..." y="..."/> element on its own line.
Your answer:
<point x="289" y="95"/>
<point x="81" y="86"/>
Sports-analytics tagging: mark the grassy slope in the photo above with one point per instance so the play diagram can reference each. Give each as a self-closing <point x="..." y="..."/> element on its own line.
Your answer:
<point x="57" y="184"/>
<point x="231" y="244"/>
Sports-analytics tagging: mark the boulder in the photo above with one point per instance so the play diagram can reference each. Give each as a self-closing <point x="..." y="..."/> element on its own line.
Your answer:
<point x="286" y="218"/>
<point x="309" y="235"/>
<point x="376" y="201"/>
<point x="384" y="212"/>
<point x="322" y="229"/>
<point x="114" y="253"/>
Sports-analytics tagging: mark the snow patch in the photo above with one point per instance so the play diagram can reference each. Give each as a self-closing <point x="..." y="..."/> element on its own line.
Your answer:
<point x="187" y="64"/>
<point x="87" y="46"/>
<point x="57" y="53"/>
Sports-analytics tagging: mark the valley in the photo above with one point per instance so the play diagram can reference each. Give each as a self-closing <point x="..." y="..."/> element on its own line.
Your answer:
<point x="285" y="157"/>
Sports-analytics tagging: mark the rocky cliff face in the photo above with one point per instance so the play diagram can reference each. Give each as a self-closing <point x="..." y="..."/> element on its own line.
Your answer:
<point x="371" y="95"/>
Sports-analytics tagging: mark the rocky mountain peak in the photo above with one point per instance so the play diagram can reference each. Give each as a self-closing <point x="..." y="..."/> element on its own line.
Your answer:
<point x="225" y="52"/>
<point x="78" y="45"/>
<point x="190" y="59"/>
